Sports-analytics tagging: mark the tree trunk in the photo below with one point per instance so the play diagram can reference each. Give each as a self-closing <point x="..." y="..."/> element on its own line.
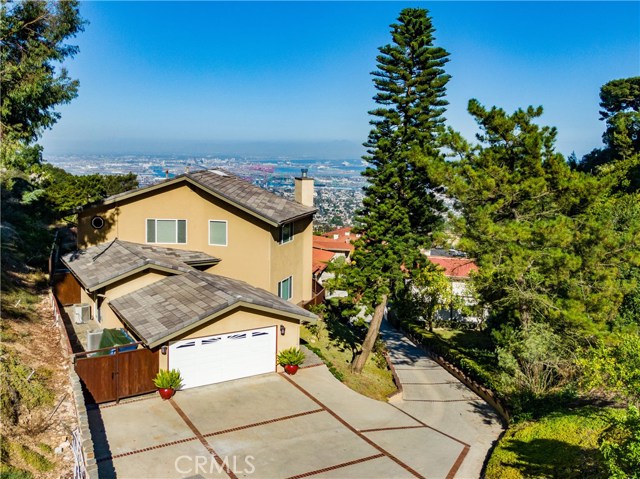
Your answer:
<point x="372" y="335"/>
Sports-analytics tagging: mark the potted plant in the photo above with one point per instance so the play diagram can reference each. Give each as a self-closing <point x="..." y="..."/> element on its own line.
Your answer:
<point x="167" y="382"/>
<point x="290" y="359"/>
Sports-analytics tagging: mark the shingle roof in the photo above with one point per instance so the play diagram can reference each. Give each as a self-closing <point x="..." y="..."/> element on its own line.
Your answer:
<point x="257" y="201"/>
<point x="100" y="265"/>
<point x="166" y="308"/>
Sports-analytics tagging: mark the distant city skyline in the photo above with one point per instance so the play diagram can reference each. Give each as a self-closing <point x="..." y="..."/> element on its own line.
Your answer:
<point x="293" y="78"/>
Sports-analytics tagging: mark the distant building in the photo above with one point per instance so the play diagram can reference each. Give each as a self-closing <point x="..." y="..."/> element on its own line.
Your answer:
<point x="458" y="269"/>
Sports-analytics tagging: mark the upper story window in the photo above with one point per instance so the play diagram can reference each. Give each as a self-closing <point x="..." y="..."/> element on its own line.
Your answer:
<point x="286" y="233"/>
<point x="285" y="288"/>
<point x="217" y="233"/>
<point x="166" y="231"/>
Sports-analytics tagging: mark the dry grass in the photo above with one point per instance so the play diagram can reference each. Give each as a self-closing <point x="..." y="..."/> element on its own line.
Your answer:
<point x="34" y="381"/>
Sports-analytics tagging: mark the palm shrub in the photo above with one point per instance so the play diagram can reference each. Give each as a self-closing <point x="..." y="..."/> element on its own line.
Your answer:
<point x="292" y="356"/>
<point x="168" y="379"/>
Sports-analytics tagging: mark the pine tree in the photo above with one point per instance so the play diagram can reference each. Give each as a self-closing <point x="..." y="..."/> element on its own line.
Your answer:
<point x="549" y="241"/>
<point x="400" y="210"/>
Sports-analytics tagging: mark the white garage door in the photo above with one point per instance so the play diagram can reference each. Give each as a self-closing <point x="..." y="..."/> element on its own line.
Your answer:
<point x="214" y="359"/>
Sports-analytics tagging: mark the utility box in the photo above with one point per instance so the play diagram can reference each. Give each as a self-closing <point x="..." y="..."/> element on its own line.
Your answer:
<point x="81" y="313"/>
<point x="93" y="339"/>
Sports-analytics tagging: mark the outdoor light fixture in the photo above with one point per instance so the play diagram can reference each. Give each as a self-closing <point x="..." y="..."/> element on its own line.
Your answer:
<point x="163" y="349"/>
<point x="282" y="330"/>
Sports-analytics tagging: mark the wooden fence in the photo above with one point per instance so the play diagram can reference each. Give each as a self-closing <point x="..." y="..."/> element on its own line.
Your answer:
<point x="65" y="287"/>
<point x="118" y="375"/>
<point x="318" y="296"/>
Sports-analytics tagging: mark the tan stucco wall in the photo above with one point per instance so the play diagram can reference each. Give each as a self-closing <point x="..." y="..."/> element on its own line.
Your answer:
<point x="294" y="259"/>
<point x="253" y="253"/>
<point x="243" y="319"/>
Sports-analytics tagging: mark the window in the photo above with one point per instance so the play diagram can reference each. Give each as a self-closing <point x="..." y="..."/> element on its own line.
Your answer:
<point x="286" y="233"/>
<point x="166" y="231"/>
<point x="217" y="233"/>
<point x="285" y="288"/>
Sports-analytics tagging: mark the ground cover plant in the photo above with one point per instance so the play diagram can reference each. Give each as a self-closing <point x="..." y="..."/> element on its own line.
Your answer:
<point x="336" y="342"/>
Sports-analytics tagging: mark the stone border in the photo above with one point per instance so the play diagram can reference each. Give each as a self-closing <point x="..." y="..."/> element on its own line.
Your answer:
<point x="91" y="466"/>
<point x="486" y="394"/>
<point x="396" y="379"/>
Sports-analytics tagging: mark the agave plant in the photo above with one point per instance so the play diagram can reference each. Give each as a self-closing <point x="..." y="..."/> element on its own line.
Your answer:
<point x="168" y="379"/>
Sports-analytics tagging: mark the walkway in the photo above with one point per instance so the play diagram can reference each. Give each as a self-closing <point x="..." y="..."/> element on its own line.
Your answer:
<point x="433" y="396"/>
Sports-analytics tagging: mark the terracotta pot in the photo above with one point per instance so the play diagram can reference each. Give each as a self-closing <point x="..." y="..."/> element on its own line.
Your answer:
<point x="291" y="369"/>
<point x="166" y="393"/>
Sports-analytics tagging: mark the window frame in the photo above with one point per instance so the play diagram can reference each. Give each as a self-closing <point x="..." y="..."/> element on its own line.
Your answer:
<point x="155" y="226"/>
<point x="280" y="284"/>
<point x="226" y="232"/>
<point x="290" y="225"/>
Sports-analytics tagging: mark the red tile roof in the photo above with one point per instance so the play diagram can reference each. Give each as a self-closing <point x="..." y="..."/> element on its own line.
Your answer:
<point x="321" y="259"/>
<point x="340" y="232"/>
<point x="455" y="267"/>
<point x="339" y="245"/>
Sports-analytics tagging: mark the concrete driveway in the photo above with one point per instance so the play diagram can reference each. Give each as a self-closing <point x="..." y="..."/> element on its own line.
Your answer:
<point x="432" y="395"/>
<point x="271" y="426"/>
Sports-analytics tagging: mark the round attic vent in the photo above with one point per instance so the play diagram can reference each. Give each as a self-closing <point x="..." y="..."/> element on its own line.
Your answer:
<point x="97" y="222"/>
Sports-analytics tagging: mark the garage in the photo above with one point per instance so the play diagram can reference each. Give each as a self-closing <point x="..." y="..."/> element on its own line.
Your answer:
<point x="214" y="359"/>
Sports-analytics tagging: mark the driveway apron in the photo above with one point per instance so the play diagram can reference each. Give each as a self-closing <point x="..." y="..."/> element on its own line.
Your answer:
<point x="307" y="425"/>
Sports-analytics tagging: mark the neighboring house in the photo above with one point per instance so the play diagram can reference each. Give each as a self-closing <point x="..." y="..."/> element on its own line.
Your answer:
<point x="321" y="260"/>
<point x="259" y="237"/>
<point x="337" y="241"/>
<point x="205" y="268"/>
<point x="457" y="268"/>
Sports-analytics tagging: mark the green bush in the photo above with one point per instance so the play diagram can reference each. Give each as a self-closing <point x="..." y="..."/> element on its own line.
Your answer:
<point x="466" y="364"/>
<point x="620" y="446"/>
<point x="168" y="379"/>
<point x="291" y="356"/>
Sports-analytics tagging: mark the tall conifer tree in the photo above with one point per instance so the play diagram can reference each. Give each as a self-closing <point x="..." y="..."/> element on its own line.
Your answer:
<point x="400" y="210"/>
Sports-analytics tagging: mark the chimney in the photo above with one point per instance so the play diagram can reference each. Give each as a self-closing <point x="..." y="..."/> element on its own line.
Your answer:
<point x="304" y="188"/>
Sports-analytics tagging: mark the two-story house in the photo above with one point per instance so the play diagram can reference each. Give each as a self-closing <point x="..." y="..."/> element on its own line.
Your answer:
<point x="206" y="267"/>
<point x="259" y="237"/>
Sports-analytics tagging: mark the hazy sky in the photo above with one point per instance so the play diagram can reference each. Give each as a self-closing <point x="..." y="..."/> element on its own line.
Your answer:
<point x="294" y="78"/>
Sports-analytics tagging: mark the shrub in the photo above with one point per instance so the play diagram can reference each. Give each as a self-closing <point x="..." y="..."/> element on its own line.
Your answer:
<point x="620" y="446"/>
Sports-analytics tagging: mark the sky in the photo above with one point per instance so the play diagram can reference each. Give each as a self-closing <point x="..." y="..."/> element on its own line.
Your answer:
<point x="293" y="78"/>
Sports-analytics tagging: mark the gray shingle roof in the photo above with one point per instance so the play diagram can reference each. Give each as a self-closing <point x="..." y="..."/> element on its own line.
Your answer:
<point x="257" y="201"/>
<point x="100" y="265"/>
<point x="164" y="309"/>
<point x="260" y="201"/>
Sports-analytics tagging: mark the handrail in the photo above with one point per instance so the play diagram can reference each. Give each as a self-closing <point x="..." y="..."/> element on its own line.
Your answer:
<point x="110" y="348"/>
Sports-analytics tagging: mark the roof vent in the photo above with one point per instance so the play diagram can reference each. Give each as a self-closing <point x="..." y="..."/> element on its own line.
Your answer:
<point x="219" y="172"/>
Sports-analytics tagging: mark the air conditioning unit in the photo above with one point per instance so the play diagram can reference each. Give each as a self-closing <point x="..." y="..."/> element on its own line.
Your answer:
<point x="81" y="313"/>
<point x="93" y="339"/>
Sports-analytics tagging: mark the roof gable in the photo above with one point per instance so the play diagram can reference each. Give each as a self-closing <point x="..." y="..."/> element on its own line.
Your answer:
<point x="271" y="208"/>
<point x="165" y="309"/>
<point x="101" y="265"/>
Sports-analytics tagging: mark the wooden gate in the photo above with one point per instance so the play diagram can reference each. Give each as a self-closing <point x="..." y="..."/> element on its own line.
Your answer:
<point x="115" y="376"/>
